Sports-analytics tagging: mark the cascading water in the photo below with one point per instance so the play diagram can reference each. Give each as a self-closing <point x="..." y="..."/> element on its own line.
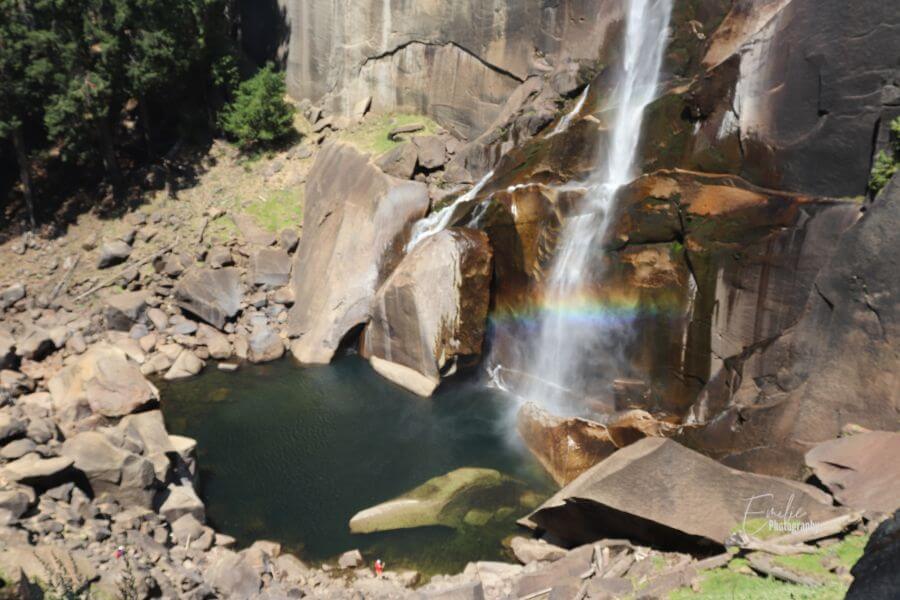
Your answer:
<point x="442" y="219"/>
<point x="564" y="123"/>
<point x="574" y="338"/>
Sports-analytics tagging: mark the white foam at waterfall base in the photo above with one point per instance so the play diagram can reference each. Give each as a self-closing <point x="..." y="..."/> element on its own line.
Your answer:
<point x="572" y="344"/>
<point x="566" y="121"/>
<point x="439" y="220"/>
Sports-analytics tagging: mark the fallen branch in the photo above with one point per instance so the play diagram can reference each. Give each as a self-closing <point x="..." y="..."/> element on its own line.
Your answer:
<point x="746" y="542"/>
<point x="63" y="283"/>
<point x="203" y="229"/>
<point x="761" y="564"/>
<point x="127" y="268"/>
<point x="817" y="532"/>
<point x="619" y="566"/>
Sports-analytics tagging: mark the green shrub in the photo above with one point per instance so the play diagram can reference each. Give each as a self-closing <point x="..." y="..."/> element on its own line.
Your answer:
<point x="259" y="116"/>
<point x="886" y="163"/>
<point x="884" y="168"/>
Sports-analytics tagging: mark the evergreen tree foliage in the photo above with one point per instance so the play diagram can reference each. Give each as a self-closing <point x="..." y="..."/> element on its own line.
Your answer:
<point x="259" y="114"/>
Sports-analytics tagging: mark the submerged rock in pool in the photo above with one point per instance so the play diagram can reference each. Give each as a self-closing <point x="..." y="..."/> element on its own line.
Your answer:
<point x="465" y="496"/>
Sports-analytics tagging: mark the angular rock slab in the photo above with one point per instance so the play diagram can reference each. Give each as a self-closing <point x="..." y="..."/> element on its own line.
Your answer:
<point x="659" y="492"/>
<point x="270" y="268"/>
<point x="112" y="472"/>
<point x="356" y="223"/>
<point x="213" y="295"/>
<point x="104" y="381"/>
<point x="861" y="471"/>
<point x="432" y="309"/>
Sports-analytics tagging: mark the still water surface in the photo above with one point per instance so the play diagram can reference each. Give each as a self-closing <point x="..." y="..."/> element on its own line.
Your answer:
<point x="290" y="454"/>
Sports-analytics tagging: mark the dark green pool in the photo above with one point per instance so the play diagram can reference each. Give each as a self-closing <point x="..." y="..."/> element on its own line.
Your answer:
<point x="290" y="454"/>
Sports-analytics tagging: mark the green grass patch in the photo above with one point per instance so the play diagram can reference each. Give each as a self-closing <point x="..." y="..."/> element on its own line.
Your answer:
<point x="371" y="135"/>
<point x="734" y="582"/>
<point x="278" y="209"/>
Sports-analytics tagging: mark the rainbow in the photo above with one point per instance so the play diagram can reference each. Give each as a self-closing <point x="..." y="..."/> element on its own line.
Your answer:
<point x="609" y="307"/>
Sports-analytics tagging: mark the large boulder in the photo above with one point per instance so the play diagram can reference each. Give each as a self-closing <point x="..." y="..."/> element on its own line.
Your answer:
<point x="103" y="380"/>
<point x="270" y="268"/>
<point x="431" y="310"/>
<point x="855" y="471"/>
<point x="113" y="253"/>
<point x="356" y="222"/>
<point x="214" y="295"/>
<point x="839" y="365"/>
<point x="444" y="500"/>
<point x="111" y="471"/>
<point x="121" y="311"/>
<point x="567" y="447"/>
<point x="33" y="470"/>
<point x="657" y="491"/>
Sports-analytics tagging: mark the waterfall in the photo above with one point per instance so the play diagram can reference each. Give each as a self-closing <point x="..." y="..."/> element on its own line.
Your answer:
<point x="567" y="120"/>
<point x="576" y="335"/>
<point x="441" y="219"/>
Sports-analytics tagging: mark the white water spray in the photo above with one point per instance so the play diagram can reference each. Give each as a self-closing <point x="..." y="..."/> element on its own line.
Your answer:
<point x="573" y="341"/>
<point x="441" y="219"/>
<point x="566" y="121"/>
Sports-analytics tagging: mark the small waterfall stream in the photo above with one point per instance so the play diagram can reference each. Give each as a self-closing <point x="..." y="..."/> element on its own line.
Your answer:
<point x="573" y="334"/>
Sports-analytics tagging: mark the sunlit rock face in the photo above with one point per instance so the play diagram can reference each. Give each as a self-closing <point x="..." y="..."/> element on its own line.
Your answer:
<point x="432" y="310"/>
<point x="356" y="223"/>
<point x="789" y="94"/>
<point x="456" y="61"/>
<point x="838" y="365"/>
<point x="567" y="447"/>
<point x="697" y="268"/>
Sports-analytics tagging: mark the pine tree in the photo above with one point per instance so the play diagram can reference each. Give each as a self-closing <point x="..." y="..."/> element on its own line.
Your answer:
<point x="26" y="76"/>
<point x="259" y="115"/>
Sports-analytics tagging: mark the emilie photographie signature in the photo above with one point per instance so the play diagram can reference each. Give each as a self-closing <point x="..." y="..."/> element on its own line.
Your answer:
<point x="763" y="512"/>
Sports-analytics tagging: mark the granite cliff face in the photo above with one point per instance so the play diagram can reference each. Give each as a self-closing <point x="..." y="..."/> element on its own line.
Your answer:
<point x="456" y="61"/>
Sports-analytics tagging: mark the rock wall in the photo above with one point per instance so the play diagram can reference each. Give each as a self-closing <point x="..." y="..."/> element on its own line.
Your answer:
<point x="457" y="61"/>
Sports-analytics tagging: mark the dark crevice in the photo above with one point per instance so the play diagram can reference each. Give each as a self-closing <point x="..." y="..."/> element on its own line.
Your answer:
<point x="405" y="45"/>
<point x="823" y="297"/>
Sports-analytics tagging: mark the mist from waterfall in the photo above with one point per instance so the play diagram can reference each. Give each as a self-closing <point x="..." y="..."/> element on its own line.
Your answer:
<point x="576" y="338"/>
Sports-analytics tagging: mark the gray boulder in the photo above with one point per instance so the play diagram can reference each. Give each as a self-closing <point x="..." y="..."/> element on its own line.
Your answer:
<point x="230" y="575"/>
<point x="10" y="427"/>
<point x="219" y="257"/>
<point x="124" y="310"/>
<point x="7" y="351"/>
<point x="104" y="381"/>
<point x="432" y="310"/>
<point x="113" y="253"/>
<point x="288" y="238"/>
<point x="113" y="472"/>
<point x="400" y="161"/>
<point x="270" y="268"/>
<point x="187" y="364"/>
<point x="11" y="295"/>
<point x="212" y="295"/>
<point x="35" y="344"/>
<point x="265" y="344"/>
<point x="33" y="470"/>
<point x="180" y="500"/>
<point x="431" y="151"/>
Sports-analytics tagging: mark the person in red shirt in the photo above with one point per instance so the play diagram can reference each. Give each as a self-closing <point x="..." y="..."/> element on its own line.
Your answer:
<point x="379" y="567"/>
